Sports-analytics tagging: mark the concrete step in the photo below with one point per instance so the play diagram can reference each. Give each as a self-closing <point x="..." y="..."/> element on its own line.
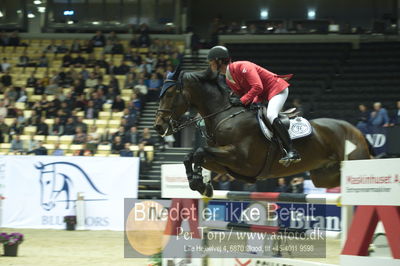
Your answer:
<point x="149" y="194"/>
<point x="152" y="183"/>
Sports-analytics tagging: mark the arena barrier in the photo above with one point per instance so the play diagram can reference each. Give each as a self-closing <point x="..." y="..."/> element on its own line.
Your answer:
<point x="362" y="184"/>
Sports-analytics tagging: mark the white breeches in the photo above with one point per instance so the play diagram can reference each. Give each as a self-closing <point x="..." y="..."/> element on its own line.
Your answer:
<point x="275" y="105"/>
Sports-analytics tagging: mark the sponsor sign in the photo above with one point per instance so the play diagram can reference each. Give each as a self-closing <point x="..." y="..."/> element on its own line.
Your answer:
<point x="371" y="182"/>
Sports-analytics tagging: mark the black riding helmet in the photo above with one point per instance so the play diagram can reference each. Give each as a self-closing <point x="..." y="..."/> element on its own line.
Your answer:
<point x="218" y="52"/>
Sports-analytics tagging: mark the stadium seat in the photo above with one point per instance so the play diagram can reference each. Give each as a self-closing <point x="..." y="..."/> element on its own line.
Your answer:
<point x="66" y="139"/>
<point x="104" y="149"/>
<point x="29" y="130"/>
<point x="52" y="139"/>
<point x="101" y="123"/>
<point x="104" y="115"/>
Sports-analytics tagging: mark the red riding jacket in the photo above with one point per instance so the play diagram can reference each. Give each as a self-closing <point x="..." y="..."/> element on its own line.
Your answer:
<point x="253" y="83"/>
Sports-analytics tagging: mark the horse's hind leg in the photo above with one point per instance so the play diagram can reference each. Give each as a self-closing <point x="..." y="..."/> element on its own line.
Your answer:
<point x="326" y="177"/>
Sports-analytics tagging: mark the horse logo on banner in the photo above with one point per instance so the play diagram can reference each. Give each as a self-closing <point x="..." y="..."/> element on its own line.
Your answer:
<point x="57" y="179"/>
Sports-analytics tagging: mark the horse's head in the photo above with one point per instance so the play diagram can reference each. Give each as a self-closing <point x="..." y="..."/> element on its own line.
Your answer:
<point x="173" y="103"/>
<point x="47" y="184"/>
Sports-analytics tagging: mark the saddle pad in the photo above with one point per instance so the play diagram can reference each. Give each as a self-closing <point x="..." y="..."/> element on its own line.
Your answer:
<point x="299" y="127"/>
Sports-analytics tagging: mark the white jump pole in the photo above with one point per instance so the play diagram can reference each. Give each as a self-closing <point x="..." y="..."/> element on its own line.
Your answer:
<point x="80" y="211"/>
<point x="346" y="210"/>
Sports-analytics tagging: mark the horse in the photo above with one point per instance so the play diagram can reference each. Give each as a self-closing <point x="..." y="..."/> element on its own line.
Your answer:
<point x="235" y="144"/>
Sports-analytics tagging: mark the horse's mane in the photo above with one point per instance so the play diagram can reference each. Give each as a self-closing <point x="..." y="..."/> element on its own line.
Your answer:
<point x="209" y="80"/>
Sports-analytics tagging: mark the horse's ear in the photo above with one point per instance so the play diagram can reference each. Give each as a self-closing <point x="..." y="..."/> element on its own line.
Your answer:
<point x="39" y="166"/>
<point x="177" y="71"/>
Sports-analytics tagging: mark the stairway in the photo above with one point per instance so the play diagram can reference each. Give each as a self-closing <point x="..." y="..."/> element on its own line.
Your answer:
<point x="195" y="63"/>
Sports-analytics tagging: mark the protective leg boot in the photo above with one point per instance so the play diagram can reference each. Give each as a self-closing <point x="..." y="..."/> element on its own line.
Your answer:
<point x="281" y="132"/>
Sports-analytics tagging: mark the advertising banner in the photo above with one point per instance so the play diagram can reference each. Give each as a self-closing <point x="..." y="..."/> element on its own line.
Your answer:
<point x="40" y="190"/>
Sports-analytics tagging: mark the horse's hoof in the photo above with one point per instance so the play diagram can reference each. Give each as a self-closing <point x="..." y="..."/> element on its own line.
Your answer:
<point x="209" y="190"/>
<point x="196" y="182"/>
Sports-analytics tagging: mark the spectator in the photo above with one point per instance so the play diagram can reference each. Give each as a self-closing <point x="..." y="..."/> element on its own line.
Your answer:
<point x="113" y="36"/>
<point x="144" y="40"/>
<point x="98" y="40"/>
<point x="67" y="60"/>
<point x="20" y="117"/>
<point x="6" y="79"/>
<point x="17" y="145"/>
<point x="75" y="46"/>
<point x="133" y="43"/>
<point x="23" y="60"/>
<point x="94" y="136"/>
<point x="51" y="48"/>
<point x="126" y="151"/>
<point x="396" y="117"/>
<point x="22" y="95"/>
<point x="79" y="123"/>
<point x="32" y="143"/>
<point x="57" y="150"/>
<point x="130" y="117"/>
<point x="4" y="129"/>
<point x="79" y="60"/>
<point x="117" y="145"/>
<point x="85" y="73"/>
<point x="282" y="187"/>
<point x="223" y="181"/>
<point x="69" y="128"/>
<point x="114" y="83"/>
<point x="280" y="29"/>
<point x="108" y="48"/>
<point x="154" y="85"/>
<point x="5" y="66"/>
<point x="169" y="140"/>
<point x="85" y="151"/>
<point x="39" y="150"/>
<point x="296" y="185"/>
<point x="62" y="48"/>
<point x="118" y="104"/>
<point x="43" y="61"/>
<point x="379" y="117"/>
<point x="132" y="136"/>
<point x="14" y="39"/>
<point x="57" y="129"/>
<point x="141" y="89"/>
<point x="143" y="157"/>
<point x="363" y="118"/>
<point x="146" y="138"/>
<point x="16" y="128"/>
<point x="32" y="80"/>
<point x="92" y="81"/>
<point x="87" y="47"/>
<point x="80" y="136"/>
<point x="42" y="127"/>
<point x="90" y="111"/>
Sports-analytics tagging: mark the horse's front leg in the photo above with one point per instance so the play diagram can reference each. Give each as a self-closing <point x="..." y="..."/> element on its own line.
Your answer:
<point x="188" y="161"/>
<point x="212" y="158"/>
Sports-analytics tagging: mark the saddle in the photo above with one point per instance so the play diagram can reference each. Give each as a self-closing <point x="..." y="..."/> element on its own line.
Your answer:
<point x="298" y="126"/>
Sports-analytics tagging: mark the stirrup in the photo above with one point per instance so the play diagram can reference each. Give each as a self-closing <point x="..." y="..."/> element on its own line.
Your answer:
<point x="290" y="157"/>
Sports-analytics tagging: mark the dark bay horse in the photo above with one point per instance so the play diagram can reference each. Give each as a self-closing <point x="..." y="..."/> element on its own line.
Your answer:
<point x="236" y="144"/>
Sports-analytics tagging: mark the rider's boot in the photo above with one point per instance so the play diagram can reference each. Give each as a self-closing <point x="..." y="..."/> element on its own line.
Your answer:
<point x="291" y="154"/>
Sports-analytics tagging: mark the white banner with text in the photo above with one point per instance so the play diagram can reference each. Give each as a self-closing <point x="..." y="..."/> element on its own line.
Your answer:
<point x="371" y="182"/>
<point x="40" y="190"/>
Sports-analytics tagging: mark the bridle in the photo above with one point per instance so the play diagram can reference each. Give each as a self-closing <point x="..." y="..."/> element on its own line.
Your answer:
<point x="173" y="124"/>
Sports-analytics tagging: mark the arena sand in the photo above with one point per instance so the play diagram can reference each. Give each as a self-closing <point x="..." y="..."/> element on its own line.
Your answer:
<point x="60" y="247"/>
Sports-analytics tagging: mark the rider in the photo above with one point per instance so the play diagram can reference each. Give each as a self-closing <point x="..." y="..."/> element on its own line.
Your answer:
<point x="255" y="84"/>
